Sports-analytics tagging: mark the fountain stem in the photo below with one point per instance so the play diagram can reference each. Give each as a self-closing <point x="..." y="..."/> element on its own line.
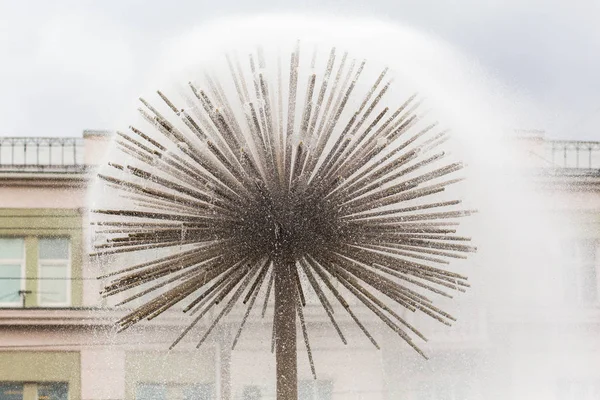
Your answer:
<point x="285" y="328"/>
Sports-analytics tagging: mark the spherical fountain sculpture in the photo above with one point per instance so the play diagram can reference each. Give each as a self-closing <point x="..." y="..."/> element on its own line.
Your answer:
<point x="288" y="170"/>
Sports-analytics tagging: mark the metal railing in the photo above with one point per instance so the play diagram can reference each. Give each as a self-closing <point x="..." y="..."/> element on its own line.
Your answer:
<point x="573" y="154"/>
<point x="41" y="154"/>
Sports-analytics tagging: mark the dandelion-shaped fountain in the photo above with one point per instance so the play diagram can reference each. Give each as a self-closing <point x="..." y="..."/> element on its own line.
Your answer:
<point x="300" y="178"/>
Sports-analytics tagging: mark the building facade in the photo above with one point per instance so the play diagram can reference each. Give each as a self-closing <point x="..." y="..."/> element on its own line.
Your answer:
<point x="57" y="339"/>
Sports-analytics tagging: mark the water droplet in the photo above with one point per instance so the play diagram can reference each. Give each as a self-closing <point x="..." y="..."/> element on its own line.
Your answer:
<point x="183" y="146"/>
<point x="382" y="142"/>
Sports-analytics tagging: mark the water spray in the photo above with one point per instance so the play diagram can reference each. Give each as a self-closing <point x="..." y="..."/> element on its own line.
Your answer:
<point x="299" y="181"/>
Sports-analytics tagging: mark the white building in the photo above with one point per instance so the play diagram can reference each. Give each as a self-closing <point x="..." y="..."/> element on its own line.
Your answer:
<point x="57" y="339"/>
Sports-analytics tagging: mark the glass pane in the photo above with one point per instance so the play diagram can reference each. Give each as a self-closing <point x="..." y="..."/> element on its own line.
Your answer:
<point x="53" y="284"/>
<point x="10" y="283"/>
<point x="53" y="391"/>
<point x="198" y="392"/>
<point x="151" y="391"/>
<point x="306" y="390"/>
<point x="252" y="393"/>
<point x="54" y="248"/>
<point x="11" y="248"/>
<point x="324" y="390"/>
<point x="11" y="391"/>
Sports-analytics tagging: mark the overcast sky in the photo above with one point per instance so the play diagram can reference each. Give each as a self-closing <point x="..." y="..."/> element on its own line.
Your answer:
<point x="66" y="66"/>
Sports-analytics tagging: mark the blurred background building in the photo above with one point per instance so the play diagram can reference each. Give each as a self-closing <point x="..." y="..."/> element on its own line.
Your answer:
<point x="57" y="340"/>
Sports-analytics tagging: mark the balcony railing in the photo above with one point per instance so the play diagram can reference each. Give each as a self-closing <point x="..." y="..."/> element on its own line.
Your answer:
<point x="38" y="154"/>
<point x="573" y="154"/>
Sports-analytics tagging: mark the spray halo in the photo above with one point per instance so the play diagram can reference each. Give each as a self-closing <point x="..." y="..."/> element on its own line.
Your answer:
<point x="289" y="170"/>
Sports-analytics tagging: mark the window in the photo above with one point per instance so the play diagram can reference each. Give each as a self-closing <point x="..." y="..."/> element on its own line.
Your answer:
<point x="315" y="390"/>
<point x="197" y="392"/>
<point x="11" y="391"/>
<point x="12" y="271"/>
<point x="251" y="392"/>
<point x="159" y="391"/>
<point x="45" y="391"/>
<point x="21" y="284"/>
<point x="53" y="391"/>
<point x="151" y="391"/>
<point x="54" y="272"/>
<point x="578" y="390"/>
<point x="580" y="279"/>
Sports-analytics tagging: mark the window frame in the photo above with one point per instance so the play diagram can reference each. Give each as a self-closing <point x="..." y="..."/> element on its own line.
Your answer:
<point x="49" y="261"/>
<point x="23" y="262"/>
